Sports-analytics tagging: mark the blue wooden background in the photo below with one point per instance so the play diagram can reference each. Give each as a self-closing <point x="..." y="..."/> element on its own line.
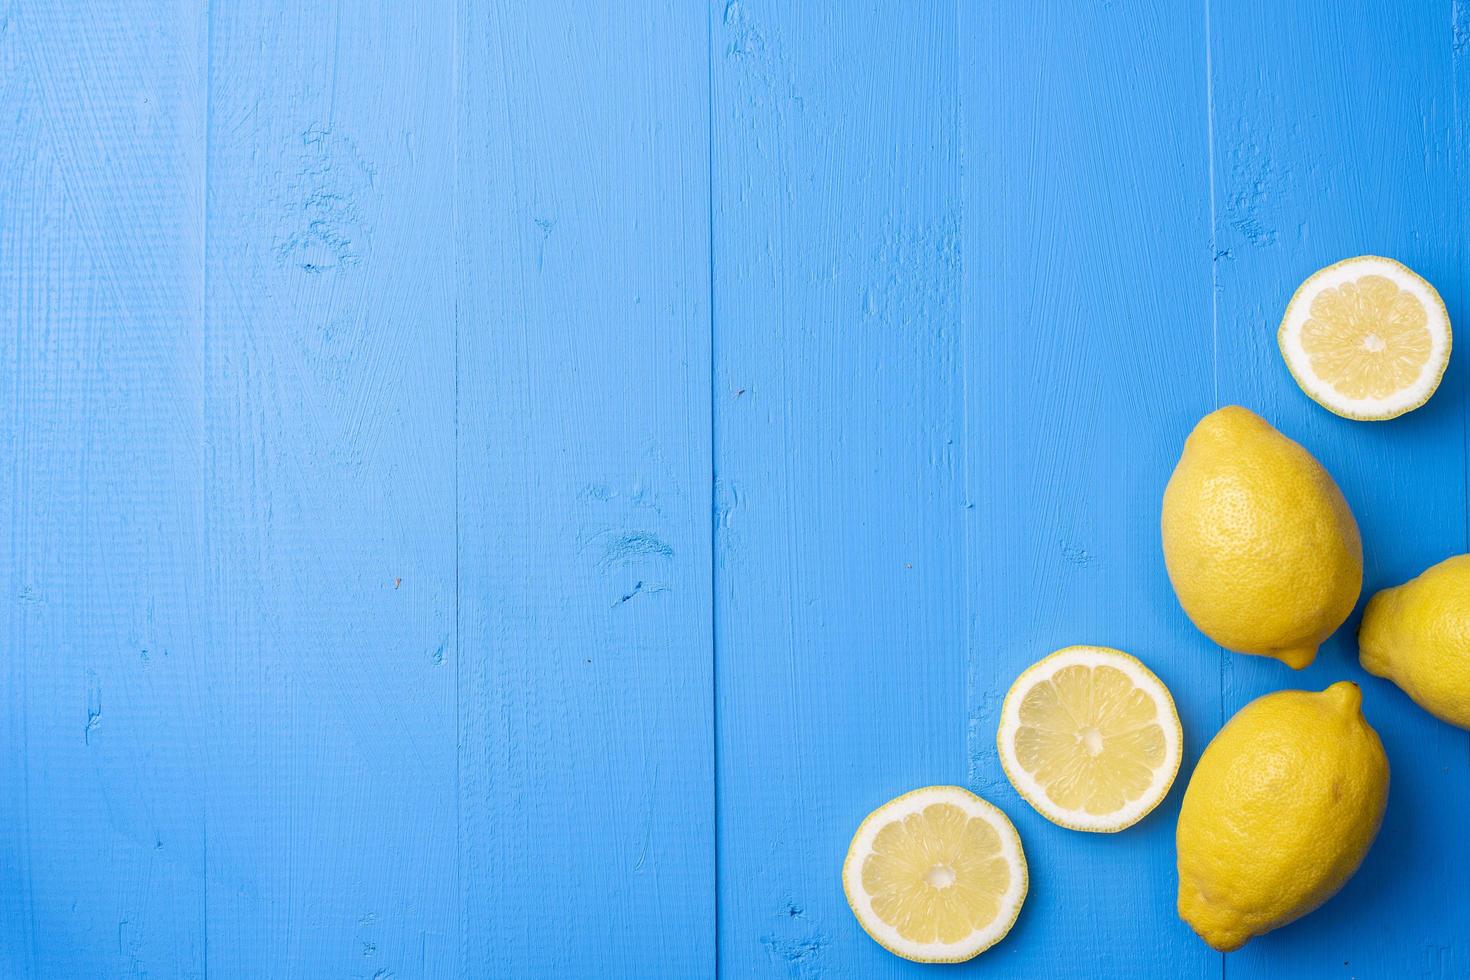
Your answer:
<point x="500" y="489"/>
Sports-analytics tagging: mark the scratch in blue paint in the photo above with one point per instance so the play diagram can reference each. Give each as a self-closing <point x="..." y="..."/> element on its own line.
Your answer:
<point x="727" y="499"/>
<point x="1077" y="555"/>
<point x="799" y="954"/>
<point x="545" y="224"/>
<point x="628" y="546"/>
<point x="640" y="589"/>
<point x="643" y="851"/>
<point x="94" y="706"/>
<point x="324" y="204"/>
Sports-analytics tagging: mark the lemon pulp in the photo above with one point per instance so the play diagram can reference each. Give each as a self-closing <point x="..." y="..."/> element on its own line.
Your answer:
<point x="937" y="875"/>
<point x="1090" y="739"/>
<point x="1367" y="338"/>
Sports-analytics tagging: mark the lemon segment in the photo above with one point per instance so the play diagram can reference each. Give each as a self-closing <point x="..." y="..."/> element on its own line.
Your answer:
<point x="1366" y="338"/>
<point x="1090" y="738"/>
<point x="936" y="875"/>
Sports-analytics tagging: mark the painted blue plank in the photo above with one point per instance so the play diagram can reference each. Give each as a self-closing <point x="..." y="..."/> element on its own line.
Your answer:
<point x="1088" y="356"/>
<point x="586" y="789"/>
<point x="840" y="573"/>
<point x="103" y="683"/>
<point x="329" y="486"/>
<point x="1337" y="132"/>
<point x="444" y="336"/>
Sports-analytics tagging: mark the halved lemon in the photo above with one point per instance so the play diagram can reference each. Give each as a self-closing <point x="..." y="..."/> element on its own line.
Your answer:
<point x="1089" y="736"/>
<point x="1366" y="338"/>
<point x="936" y="875"/>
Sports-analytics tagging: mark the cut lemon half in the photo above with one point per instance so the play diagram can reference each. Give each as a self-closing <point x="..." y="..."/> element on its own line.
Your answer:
<point x="1366" y="338"/>
<point x="1089" y="736"/>
<point x="936" y="876"/>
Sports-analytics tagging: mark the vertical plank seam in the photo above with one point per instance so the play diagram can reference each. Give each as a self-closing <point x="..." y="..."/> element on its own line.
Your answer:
<point x="18" y="632"/>
<point x="1457" y="165"/>
<point x="1214" y="241"/>
<point x="1214" y="300"/>
<point x="204" y="454"/>
<point x="20" y="629"/>
<point x="461" y="941"/>
<point x="966" y="518"/>
<point x="714" y="524"/>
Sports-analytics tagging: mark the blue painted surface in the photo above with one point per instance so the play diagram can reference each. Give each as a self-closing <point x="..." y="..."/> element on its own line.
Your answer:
<point x="500" y="489"/>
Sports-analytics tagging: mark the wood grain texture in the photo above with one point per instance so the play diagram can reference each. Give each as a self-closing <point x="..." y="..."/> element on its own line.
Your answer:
<point x="1087" y="325"/>
<point x="329" y="486"/>
<point x="104" y="679"/>
<point x="501" y="488"/>
<point x="1338" y="133"/>
<point x="586" y="770"/>
<point x="840" y="590"/>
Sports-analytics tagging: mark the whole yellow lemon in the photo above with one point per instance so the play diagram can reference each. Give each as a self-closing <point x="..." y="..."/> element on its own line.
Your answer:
<point x="1260" y="545"/>
<point x="1418" y="636"/>
<point x="1279" y="813"/>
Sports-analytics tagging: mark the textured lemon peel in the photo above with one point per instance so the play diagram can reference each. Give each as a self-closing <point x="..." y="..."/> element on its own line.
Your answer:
<point x="1416" y="635"/>
<point x="1252" y="858"/>
<point x="1260" y="545"/>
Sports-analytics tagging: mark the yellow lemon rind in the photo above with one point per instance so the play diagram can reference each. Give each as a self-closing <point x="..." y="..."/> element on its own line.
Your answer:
<point x="979" y="941"/>
<point x="1409" y="636"/>
<point x="1290" y="329"/>
<point x="1034" y="794"/>
<point x="1251" y="859"/>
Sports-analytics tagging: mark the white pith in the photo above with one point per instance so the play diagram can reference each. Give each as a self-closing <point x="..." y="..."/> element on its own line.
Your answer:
<point x="1035" y="793"/>
<point x="1299" y="311"/>
<point x="978" y="941"/>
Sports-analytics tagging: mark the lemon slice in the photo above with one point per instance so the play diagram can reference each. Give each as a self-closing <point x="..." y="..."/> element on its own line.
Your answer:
<point x="1089" y="736"/>
<point x="936" y="876"/>
<point x="1366" y="338"/>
